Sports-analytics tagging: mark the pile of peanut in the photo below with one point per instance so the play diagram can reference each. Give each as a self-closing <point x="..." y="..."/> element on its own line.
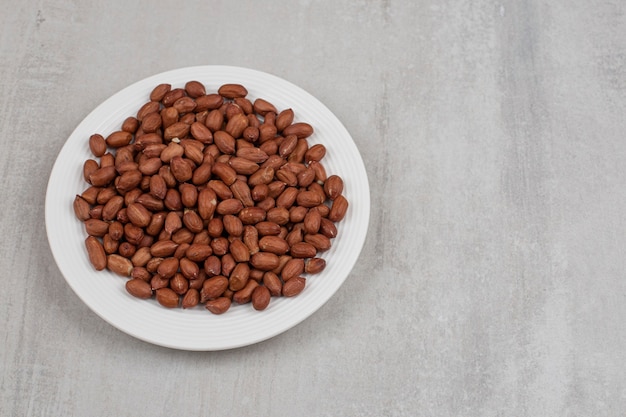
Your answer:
<point x="209" y="199"/>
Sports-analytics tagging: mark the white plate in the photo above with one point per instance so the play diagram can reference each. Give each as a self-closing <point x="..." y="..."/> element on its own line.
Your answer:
<point x="198" y="329"/>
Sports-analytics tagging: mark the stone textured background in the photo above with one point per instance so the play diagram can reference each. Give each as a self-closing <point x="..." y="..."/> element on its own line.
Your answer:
<point x="492" y="280"/>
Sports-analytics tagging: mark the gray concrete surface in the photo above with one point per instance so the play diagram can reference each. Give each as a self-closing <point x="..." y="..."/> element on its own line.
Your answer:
<point x="492" y="281"/>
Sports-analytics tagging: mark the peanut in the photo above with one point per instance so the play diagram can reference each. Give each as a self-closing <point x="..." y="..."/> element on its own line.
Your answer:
<point x="138" y="288"/>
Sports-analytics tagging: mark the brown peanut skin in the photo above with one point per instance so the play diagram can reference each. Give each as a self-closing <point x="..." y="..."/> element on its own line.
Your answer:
<point x="119" y="264"/>
<point x="294" y="286"/>
<point x="303" y="250"/>
<point x="264" y="261"/>
<point x="293" y="268"/>
<point x="232" y="90"/>
<point x="301" y="130"/>
<point x="167" y="297"/>
<point x="219" y="305"/>
<point x="97" y="145"/>
<point x="284" y="119"/>
<point x="213" y="288"/>
<point x="244" y="295"/>
<point x="314" y="265"/>
<point x="139" y="288"/>
<point x="260" y="298"/>
<point x="338" y="209"/>
<point x="159" y="92"/>
<point x="209" y="199"/>
<point x="96" y="253"/>
<point x="195" y="89"/>
<point x="81" y="208"/>
<point x="191" y="298"/>
<point x="333" y="186"/>
<point x="118" y="139"/>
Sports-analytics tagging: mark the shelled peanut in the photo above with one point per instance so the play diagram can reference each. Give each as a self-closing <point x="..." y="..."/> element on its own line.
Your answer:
<point x="209" y="199"/>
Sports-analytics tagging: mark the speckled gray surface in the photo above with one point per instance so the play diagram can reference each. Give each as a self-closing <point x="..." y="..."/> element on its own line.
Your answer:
<point x="492" y="280"/>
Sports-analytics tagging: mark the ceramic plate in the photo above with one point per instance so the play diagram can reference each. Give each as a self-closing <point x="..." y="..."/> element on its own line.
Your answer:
<point x="198" y="329"/>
